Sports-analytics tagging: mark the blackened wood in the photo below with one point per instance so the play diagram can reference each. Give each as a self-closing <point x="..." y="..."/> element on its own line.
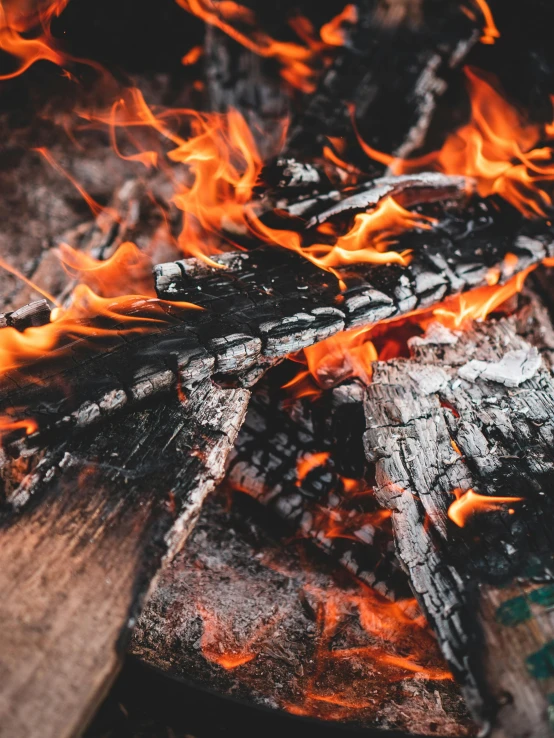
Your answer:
<point x="239" y="79"/>
<point x="407" y="189"/>
<point x="277" y="437"/>
<point x="261" y="305"/>
<point x="475" y="410"/>
<point x="34" y="314"/>
<point x="446" y="260"/>
<point x="237" y="595"/>
<point x="102" y="513"/>
<point x="392" y="73"/>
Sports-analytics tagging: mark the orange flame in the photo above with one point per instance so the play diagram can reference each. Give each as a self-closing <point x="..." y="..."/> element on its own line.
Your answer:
<point x="192" y="56"/>
<point x="348" y="354"/>
<point x="366" y="241"/>
<point x="469" y="502"/>
<point x="127" y="270"/>
<point x="83" y="319"/>
<point x="300" y="63"/>
<point x="14" y="28"/>
<point x="490" y="31"/>
<point x="230" y="17"/>
<point x="224" y="163"/>
<point x="8" y="425"/>
<point x="332" y="33"/>
<point x="309" y="462"/>
<point x="497" y="148"/>
<point x="477" y="304"/>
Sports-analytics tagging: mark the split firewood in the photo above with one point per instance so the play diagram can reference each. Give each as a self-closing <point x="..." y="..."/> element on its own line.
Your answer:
<point x="239" y="612"/>
<point x="461" y="436"/>
<point x="103" y="510"/>
<point x="259" y="307"/>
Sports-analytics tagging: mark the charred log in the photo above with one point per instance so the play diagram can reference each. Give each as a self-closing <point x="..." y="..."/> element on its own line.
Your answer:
<point x="394" y="94"/>
<point x="239" y="79"/>
<point x="473" y="411"/>
<point x="261" y="306"/>
<point x="239" y="612"/>
<point x="76" y="563"/>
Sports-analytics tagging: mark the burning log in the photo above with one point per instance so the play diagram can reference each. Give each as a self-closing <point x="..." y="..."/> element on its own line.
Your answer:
<point x="394" y="94"/>
<point x="240" y="613"/>
<point x="259" y="307"/>
<point x="463" y="429"/>
<point x="105" y="510"/>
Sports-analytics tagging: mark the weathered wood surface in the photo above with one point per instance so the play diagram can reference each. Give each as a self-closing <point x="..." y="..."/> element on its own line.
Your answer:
<point x="315" y="199"/>
<point x="394" y="94"/>
<point x="474" y="410"/>
<point x="102" y="512"/>
<point x="236" y="596"/>
<point x="331" y="504"/>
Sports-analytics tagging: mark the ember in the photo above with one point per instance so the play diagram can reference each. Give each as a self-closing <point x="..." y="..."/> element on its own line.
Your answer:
<point x="303" y="258"/>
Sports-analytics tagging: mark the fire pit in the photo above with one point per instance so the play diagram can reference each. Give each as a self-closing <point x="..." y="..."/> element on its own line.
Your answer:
<point x="276" y="399"/>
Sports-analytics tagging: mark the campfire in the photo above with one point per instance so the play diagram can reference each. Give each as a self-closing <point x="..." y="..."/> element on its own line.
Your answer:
<point x="276" y="350"/>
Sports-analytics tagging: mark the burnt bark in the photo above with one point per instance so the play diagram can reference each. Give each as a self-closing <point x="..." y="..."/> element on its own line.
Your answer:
<point x="236" y="595"/>
<point x="86" y="534"/>
<point x="392" y="71"/>
<point x="473" y="410"/>
<point x="259" y="307"/>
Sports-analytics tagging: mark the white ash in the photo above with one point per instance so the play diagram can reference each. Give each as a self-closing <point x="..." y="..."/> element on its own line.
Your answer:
<point x="514" y="367"/>
<point x="436" y="334"/>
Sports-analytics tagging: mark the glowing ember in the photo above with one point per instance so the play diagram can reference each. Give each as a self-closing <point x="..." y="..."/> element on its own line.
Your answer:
<point x="309" y="462"/>
<point x="469" y="502"/>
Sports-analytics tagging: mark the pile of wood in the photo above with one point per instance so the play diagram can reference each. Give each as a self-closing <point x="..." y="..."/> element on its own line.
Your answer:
<point x="131" y="433"/>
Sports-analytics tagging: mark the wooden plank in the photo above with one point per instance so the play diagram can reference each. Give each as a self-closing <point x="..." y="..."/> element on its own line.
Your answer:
<point x="98" y="516"/>
<point x="474" y="410"/>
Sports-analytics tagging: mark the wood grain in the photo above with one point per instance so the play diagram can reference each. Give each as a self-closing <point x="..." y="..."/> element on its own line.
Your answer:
<point x="102" y="512"/>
